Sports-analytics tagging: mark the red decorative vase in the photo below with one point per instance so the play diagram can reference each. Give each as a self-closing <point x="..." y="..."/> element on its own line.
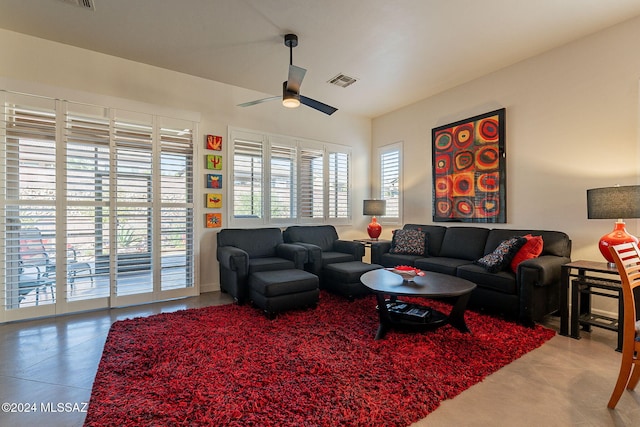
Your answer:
<point x="618" y="236"/>
<point x="374" y="229"/>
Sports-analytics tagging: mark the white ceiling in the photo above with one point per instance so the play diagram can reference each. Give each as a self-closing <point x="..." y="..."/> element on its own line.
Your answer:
<point x="401" y="51"/>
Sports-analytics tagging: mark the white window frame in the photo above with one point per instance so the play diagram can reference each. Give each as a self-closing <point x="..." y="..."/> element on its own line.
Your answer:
<point x="301" y="147"/>
<point x="383" y="192"/>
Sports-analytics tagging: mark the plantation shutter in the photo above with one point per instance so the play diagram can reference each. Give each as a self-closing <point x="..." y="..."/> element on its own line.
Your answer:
<point x="390" y="182"/>
<point x="79" y="222"/>
<point x="176" y="192"/>
<point x="339" y="186"/>
<point x="308" y="181"/>
<point x="248" y="177"/>
<point x="133" y="160"/>
<point x="28" y="162"/>
<point x="311" y="172"/>
<point x="283" y="190"/>
<point x="88" y="195"/>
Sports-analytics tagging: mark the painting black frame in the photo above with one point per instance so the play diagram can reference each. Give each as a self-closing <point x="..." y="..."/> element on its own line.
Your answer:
<point x="469" y="170"/>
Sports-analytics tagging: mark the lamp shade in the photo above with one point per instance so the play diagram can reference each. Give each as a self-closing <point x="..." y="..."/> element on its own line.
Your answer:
<point x="374" y="207"/>
<point x="614" y="203"/>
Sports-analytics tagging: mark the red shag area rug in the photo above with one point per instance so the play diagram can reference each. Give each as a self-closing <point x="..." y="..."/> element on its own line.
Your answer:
<point x="231" y="366"/>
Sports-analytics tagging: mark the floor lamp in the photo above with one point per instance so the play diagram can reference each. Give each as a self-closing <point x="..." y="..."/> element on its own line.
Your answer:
<point x="614" y="203"/>
<point x="374" y="207"/>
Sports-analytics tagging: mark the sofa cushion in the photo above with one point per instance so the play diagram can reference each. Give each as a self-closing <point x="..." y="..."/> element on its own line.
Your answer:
<point x="331" y="257"/>
<point x="556" y="243"/>
<point x="391" y="260"/>
<point x="320" y="235"/>
<point x="501" y="257"/>
<point x="531" y="249"/>
<point x="464" y="243"/>
<point x="408" y="242"/>
<point x="269" y="264"/>
<point x="257" y="242"/>
<point x="502" y="281"/>
<point x="434" y="235"/>
<point x="440" y="264"/>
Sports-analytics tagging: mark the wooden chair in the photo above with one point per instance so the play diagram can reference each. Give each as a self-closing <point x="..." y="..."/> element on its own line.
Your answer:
<point x="627" y="258"/>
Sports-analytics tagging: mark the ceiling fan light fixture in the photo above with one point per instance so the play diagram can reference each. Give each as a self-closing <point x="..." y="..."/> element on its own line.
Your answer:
<point x="290" y="99"/>
<point x="291" y="102"/>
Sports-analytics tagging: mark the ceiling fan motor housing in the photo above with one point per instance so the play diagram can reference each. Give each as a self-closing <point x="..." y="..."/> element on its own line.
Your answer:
<point x="290" y="40"/>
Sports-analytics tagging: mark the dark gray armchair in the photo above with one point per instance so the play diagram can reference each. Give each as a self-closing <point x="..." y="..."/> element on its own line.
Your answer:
<point x="323" y="245"/>
<point x="245" y="251"/>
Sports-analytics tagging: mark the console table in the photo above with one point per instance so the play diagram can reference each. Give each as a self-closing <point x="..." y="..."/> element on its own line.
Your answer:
<point x="581" y="280"/>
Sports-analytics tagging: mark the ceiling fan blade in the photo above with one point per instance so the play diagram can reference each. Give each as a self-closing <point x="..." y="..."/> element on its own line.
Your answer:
<point x="296" y="74"/>
<point x="327" y="109"/>
<point x="258" y="101"/>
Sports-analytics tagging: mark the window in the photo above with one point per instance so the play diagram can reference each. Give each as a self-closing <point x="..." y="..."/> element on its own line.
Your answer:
<point x="283" y="190"/>
<point x="339" y="196"/>
<point x="247" y="176"/>
<point x="97" y="206"/>
<point x="308" y="181"/>
<point x="390" y="181"/>
<point x="311" y="177"/>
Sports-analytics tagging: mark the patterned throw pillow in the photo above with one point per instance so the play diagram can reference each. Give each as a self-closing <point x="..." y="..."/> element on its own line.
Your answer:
<point x="501" y="257"/>
<point x="408" y="242"/>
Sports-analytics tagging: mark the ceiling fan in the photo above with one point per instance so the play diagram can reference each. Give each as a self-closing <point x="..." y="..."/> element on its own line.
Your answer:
<point x="291" y="97"/>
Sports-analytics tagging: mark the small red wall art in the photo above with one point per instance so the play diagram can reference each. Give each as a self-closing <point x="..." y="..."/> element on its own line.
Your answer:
<point x="469" y="182"/>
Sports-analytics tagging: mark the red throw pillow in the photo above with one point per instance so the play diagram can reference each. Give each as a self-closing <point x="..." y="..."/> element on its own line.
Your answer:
<point x="531" y="249"/>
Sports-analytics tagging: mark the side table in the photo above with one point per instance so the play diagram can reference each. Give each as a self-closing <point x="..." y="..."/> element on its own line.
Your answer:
<point x="582" y="279"/>
<point x="368" y="242"/>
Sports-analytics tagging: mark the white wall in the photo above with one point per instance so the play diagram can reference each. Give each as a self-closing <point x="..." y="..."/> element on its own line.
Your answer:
<point x="38" y="65"/>
<point x="571" y="124"/>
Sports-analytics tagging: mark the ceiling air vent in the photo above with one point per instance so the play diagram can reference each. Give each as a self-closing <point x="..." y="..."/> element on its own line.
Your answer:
<point x="342" y="80"/>
<point x="85" y="4"/>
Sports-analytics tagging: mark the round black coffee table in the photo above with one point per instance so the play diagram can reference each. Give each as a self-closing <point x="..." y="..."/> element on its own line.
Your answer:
<point x="397" y="313"/>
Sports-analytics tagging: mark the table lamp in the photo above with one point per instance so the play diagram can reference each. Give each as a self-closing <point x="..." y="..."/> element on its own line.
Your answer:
<point x="374" y="207"/>
<point x="614" y="203"/>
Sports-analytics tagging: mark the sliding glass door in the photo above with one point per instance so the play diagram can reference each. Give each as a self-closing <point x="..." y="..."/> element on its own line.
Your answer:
<point x="97" y="207"/>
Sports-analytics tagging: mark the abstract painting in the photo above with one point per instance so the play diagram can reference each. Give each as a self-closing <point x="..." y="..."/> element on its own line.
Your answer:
<point x="469" y="181"/>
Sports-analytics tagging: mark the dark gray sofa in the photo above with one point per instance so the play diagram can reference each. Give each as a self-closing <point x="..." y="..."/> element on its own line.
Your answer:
<point x="527" y="295"/>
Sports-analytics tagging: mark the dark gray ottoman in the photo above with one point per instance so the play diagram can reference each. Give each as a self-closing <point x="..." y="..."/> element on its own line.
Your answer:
<point x="280" y="290"/>
<point x="343" y="278"/>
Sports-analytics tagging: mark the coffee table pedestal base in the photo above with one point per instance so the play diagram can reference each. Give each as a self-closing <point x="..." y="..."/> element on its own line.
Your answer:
<point x="401" y="315"/>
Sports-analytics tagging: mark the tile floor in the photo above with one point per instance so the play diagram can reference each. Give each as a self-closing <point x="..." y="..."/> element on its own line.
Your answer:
<point x="565" y="382"/>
